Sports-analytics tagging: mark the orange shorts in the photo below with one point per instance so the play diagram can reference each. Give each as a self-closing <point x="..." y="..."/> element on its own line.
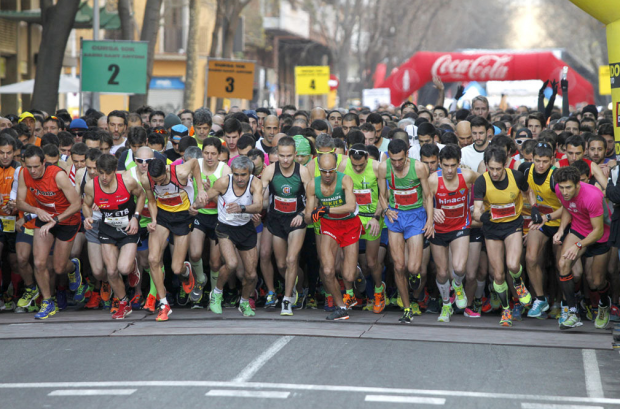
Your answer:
<point x="345" y="232"/>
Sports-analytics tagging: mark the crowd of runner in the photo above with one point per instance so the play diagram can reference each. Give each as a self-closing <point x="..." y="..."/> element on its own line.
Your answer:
<point x="426" y="210"/>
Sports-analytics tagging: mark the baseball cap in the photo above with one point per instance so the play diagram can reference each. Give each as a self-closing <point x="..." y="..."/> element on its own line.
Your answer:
<point x="78" y="123"/>
<point x="25" y="115"/>
<point x="178" y="131"/>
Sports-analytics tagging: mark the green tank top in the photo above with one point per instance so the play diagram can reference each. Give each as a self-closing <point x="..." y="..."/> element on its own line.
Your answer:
<point x="317" y="172"/>
<point x="335" y="200"/>
<point x="286" y="193"/>
<point x="366" y="189"/>
<point x="405" y="193"/>
<point x="211" y="207"/>
<point x="129" y="160"/>
<point x="145" y="216"/>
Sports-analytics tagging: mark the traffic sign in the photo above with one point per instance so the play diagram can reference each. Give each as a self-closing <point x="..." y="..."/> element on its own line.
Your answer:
<point x="312" y="80"/>
<point x="334" y="82"/>
<point x="114" y="66"/>
<point x="230" y="79"/>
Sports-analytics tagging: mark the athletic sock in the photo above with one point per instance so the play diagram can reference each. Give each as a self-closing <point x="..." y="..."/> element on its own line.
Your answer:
<point x="543" y="299"/>
<point x="567" y="284"/>
<point x="242" y="300"/>
<point x="152" y="289"/>
<point x="351" y="293"/>
<point x="213" y="275"/>
<point x="444" y="290"/>
<point x="199" y="271"/>
<point x="327" y="295"/>
<point x="502" y="292"/>
<point x="479" y="289"/>
<point x="163" y="301"/>
<point x="379" y="289"/>
<point x="458" y="280"/>
<point x="124" y="299"/>
<point x="604" y="295"/>
<point x="516" y="276"/>
<point x="217" y="290"/>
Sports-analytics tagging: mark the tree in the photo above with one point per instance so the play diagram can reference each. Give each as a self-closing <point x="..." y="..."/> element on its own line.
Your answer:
<point x="124" y="14"/>
<point x="57" y="20"/>
<point x="150" y="27"/>
<point x="191" y="67"/>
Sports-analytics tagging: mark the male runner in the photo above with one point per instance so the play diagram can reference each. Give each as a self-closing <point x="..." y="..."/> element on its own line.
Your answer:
<point x="498" y="203"/>
<point x="589" y="230"/>
<point x="114" y="193"/>
<point x="450" y="188"/>
<point x="575" y="150"/>
<point x="57" y="223"/>
<point x="405" y="216"/>
<point x="286" y="181"/>
<point x="239" y="196"/>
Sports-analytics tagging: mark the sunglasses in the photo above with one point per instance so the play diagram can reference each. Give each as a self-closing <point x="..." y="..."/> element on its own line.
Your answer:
<point x="359" y="152"/>
<point x="160" y="131"/>
<point x="141" y="161"/>
<point x="332" y="170"/>
<point x="543" y="145"/>
<point x="521" y="141"/>
<point x="78" y="133"/>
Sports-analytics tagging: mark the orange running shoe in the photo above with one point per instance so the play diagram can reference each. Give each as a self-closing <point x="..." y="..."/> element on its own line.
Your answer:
<point x="106" y="291"/>
<point x="349" y="300"/>
<point x="149" y="305"/>
<point x="379" y="301"/>
<point x="164" y="312"/>
<point x="124" y="309"/>
<point x="115" y="305"/>
<point x="93" y="301"/>
<point x="134" y="276"/>
<point x="188" y="285"/>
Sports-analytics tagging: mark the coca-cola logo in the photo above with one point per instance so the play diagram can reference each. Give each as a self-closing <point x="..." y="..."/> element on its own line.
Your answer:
<point x="483" y="68"/>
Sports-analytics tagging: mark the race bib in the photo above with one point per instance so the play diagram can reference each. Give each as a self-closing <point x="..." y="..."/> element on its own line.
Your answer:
<point x="119" y="222"/>
<point x="503" y="211"/>
<point x="454" y="212"/>
<point x="241" y="217"/>
<point x="8" y="224"/>
<point x="171" y="200"/>
<point x="363" y="197"/>
<point x="146" y="212"/>
<point x="545" y="209"/>
<point x="284" y="205"/>
<point x="527" y="220"/>
<point x="405" y="197"/>
<point x="211" y="205"/>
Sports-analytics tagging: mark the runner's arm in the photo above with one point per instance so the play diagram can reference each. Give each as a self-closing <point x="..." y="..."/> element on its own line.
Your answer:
<point x="349" y="206"/>
<point x="88" y="200"/>
<point x="64" y="184"/>
<point x="383" y="191"/>
<point x="136" y="190"/>
<point x="21" y="197"/>
<point x="152" y="204"/>
<point x="599" y="176"/>
<point x="379" y="211"/>
<point x="310" y="199"/>
<point x="195" y="171"/>
<point x="598" y="229"/>
<point x="257" y="197"/>
<point x="423" y="174"/>
<point x="79" y="175"/>
<point x="565" y="220"/>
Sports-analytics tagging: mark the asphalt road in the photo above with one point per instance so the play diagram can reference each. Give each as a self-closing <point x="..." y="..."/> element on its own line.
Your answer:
<point x="261" y="371"/>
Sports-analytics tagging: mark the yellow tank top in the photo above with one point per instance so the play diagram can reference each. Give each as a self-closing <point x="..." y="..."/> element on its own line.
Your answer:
<point x="505" y="205"/>
<point x="546" y="198"/>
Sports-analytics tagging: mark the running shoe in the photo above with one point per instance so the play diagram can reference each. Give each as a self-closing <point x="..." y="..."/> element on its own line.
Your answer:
<point x="187" y="282"/>
<point x="29" y="296"/>
<point x="477" y="307"/>
<point x="134" y="276"/>
<point x="414" y="281"/>
<point x="349" y="300"/>
<point x="506" y="320"/>
<point x="272" y="300"/>
<point x="588" y="311"/>
<point x="55" y="304"/>
<point x="136" y="302"/>
<point x="338" y="315"/>
<point x="446" y="312"/>
<point x="164" y="312"/>
<point x="93" y="301"/>
<point x="572" y="320"/>
<point x="115" y="305"/>
<point x="197" y="305"/>
<point x="485" y="307"/>
<point x="75" y="277"/>
<point x="20" y="310"/>
<point x="149" y="304"/>
<point x="407" y="317"/>
<point x="495" y="301"/>
<point x="231" y="299"/>
<point x="471" y="313"/>
<point x="61" y="296"/>
<point x="368" y="304"/>
<point x="47" y="310"/>
<point x="433" y="306"/>
<point x="106" y="291"/>
<point x="312" y="303"/>
<point x="415" y="308"/>
<point x="602" y="317"/>
<point x="196" y="295"/>
<point x="614" y="313"/>
<point x="460" y="299"/>
<point x="517" y="312"/>
<point x="2" y="305"/>
<point x="538" y="308"/>
<point x="555" y="312"/>
<point x="215" y="302"/>
<point x="80" y="294"/>
<point x="107" y="305"/>
<point x="524" y="295"/>
<point x="329" y="304"/>
<point x="301" y="299"/>
<point x="124" y="309"/>
<point x="359" y="284"/>
<point x="379" y="304"/>
<point x="287" y="307"/>
<point x="246" y="310"/>
<point x="182" y="297"/>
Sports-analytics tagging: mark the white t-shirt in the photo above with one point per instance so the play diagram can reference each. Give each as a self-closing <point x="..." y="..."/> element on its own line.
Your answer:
<point x="114" y="148"/>
<point x="414" y="151"/>
<point x="471" y="157"/>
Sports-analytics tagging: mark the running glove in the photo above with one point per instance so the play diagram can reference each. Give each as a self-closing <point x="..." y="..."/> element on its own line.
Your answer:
<point x="319" y="212"/>
<point x="536" y="216"/>
<point x="485" y="217"/>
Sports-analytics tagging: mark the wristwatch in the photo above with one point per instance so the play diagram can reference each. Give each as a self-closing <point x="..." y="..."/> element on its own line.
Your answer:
<point x="137" y="216"/>
<point x="376" y="217"/>
<point x="579" y="246"/>
<point x="55" y="219"/>
<point x="242" y="208"/>
<point x="548" y="217"/>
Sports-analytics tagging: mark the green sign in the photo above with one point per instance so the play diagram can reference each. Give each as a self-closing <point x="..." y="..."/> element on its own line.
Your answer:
<point x="114" y="66"/>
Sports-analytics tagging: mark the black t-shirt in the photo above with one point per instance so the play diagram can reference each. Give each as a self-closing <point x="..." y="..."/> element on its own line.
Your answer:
<point x="172" y="155"/>
<point x="539" y="178"/>
<point x="480" y="186"/>
<point x="265" y="148"/>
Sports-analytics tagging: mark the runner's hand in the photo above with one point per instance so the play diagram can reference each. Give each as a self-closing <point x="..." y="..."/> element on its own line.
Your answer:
<point x="133" y="226"/>
<point x="392" y="215"/>
<point x="536" y="226"/>
<point x="152" y="226"/>
<point x="297" y="221"/>
<point x="373" y="227"/>
<point x="571" y="253"/>
<point x="203" y="197"/>
<point x="543" y="88"/>
<point x="19" y="225"/>
<point x="429" y="229"/>
<point x="460" y="91"/>
<point x="439" y="216"/>
<point x="557" y="237"/>
<point x="485" y="217"/>
<point x="192" y="210"/>
<point x="536" y="216"/>
<point x="319" y="212"/>
<point x="45" y="229"/>
<point x="43" y="215"/>
<point x="437" y="82"/>
<point x="233" y="208"/>
<point x="88" y="223"/>
<point x="554" y="86"/>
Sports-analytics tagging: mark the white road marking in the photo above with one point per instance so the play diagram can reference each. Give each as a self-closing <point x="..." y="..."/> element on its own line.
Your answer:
<point x="405" y="399"/>
<point x="248" y="394"/>
<point x="526" y="405"/>
<point x="307" y="387"/>
<point x="91" y="392"/>
<point x="249" y="371"/>
<point x="594" y="386"/>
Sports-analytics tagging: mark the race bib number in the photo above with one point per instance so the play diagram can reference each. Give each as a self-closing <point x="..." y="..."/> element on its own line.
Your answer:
<point x="284" y="205"/>
<point x="405" y="197"/>
<point x="240" y="217"/>
<point x="503" y="211"/>
<point x="545" y="209"/>
<point x="146" y="212"/>
<point x="363" y="197"/>
<point x="119" y="222"/>
<point x="8" y="224"/>
<point x="527" y="220"/>
<point x="171" y="200"/>
<point x="211" y="205"/>
<point x="454" y="212"/>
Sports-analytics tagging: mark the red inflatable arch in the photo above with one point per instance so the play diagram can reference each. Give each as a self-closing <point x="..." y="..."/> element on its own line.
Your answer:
<point x="488" y="66"/>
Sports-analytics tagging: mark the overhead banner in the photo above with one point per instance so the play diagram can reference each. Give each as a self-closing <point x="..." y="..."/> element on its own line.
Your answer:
<point x="457" y="67"/>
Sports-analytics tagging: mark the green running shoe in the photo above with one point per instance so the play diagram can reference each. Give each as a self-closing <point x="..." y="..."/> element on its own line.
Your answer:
<point x="415" y="308"/>
<point x="461" y="298"/>
<point x="602" y="318"/>
<point x="446" y="312"/>
<point x="215" y="303"/>
<point x="246" y="310"/>
<point x="572" y="320"/>
<point x="30" y="295"/>
<point x="407" y="317"/>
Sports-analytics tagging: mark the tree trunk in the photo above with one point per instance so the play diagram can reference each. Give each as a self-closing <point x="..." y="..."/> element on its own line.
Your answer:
<point x="124" y="14"/>
<point x="191" y="67"/>
<point x="150" y="27"/>
<point x="57" y="24"/>
<point x="215" y="37"/>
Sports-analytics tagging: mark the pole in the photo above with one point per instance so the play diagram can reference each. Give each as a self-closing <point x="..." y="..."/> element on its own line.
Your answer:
<point x="206" y="82"/>
<point x="95" y="95"/>
<point x="81" y="75"/>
